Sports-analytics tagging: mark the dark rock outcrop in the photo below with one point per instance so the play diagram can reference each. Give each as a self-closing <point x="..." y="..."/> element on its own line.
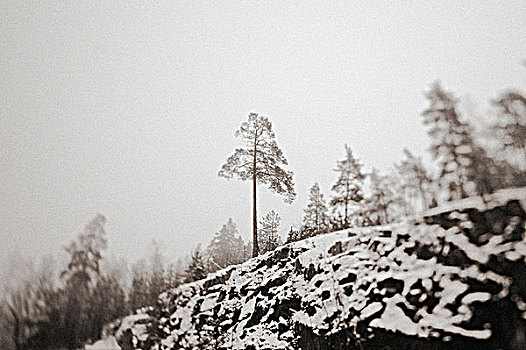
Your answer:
<point x="454" y="280"/>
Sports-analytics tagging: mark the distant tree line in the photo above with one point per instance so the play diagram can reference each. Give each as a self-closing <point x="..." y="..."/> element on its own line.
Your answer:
<point x="47" y="312"/>
<point x="466" y="163"/>
<point x="42" y="315"/>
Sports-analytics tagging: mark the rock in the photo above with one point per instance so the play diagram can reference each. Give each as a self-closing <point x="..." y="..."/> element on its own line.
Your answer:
<point x="453" y="280"/>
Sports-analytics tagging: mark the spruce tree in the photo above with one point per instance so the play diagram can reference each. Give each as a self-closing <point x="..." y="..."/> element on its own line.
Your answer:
<point x="139" y="294"/>
<point x="348" y="187"/>
<point x="512" y="121"/>
<point x="261" y="160"/>
<point x="172" y="277"/>
<point x="45" y="324"/>
<point x="247" y="251"/>
<point x="452" y="144"/>
<point x="156" y="283"/>
<point x="108" y="302"/>
<point x="269" y="238"/>
<point x="81" y="276"/>
<point x="196" y="269"/>
<point x="316" y="219"/>
<point x="19" y="316"/>
<point x="293" y="235"/>
<point x="380" y="199"/>
<point x="416" y="179"/>
<point x="225" y="247"/>
<point x="86" y="253"/>
<point x="336" y="222"/>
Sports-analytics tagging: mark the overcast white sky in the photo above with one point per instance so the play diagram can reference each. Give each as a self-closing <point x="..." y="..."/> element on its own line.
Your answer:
<point x="129" y="108"/>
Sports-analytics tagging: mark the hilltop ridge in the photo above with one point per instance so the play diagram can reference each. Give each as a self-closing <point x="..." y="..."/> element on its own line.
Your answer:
<point x="452" y="278"/>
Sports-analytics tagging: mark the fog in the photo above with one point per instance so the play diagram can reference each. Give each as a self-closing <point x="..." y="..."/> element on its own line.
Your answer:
<point x="129" y="109"/>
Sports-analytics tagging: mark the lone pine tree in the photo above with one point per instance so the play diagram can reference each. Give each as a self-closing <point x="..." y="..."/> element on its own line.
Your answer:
<point x="261" y="161"/>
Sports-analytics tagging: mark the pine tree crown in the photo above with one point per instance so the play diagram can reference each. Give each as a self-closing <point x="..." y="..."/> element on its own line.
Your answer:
<point x="261" y="157"/>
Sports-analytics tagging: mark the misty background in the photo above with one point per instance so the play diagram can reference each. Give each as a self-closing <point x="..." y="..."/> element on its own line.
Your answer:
<point x="129" y="109"/>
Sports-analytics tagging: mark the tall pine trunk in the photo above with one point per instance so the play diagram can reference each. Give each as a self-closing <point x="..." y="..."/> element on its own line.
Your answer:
<point x="255" y="245"/>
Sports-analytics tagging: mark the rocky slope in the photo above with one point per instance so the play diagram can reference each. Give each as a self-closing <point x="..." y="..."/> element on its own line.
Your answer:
<point x="455" y="278"/>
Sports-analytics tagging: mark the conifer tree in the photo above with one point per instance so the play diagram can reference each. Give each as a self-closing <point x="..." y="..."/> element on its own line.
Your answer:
<point x="46" y="304"/>
<point x="107" y="303"/>
<point x="156" y="283"/>
<point x="293" y="235"/>
<point x="348" y="187"/>
<point x="415" y="177"/>
<point x="380" y="199"/>
<point x="138" y="296"/>
<point x="261" y="160"/>
<point x="452" y="144"/>
<point x="512" y="121"/>
<point x="316" y="219"/>
<point x="269" y="238"/>
<point x="225" y="247"/>
<point x="196" y="269"/>
<point x="247" y="251"/>
<point x="172" y="277"/>
<point x="19" y="316"/>
<point x="84" y="266"/>
<point x="81" y="277"/>
<point x="336" y="222"/>
<point x="44" y="322"/>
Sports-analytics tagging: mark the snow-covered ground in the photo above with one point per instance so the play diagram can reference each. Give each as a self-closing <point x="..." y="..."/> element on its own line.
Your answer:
<point x="105" y="344"/>
<point x="460" y="276"/>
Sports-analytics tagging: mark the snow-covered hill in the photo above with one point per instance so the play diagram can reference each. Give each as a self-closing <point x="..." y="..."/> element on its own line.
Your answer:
<point x="455" y="278"/>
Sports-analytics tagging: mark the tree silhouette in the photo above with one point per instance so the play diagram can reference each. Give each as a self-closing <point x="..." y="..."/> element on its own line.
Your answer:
<point x="80" y="278"/>
<point x="316" y="218"/>
<point x="415" y="177"/>
<point x="452" y="144"/>
<point x="269" y="238"/>
<point x="512" y="121"/>
<point x="260" y="161"/>
<point x="84" y="265"/>
<point x="225" y="246"/>
<point x="348" y="187"/>
<point x="380" y="199"/>
<point x="196" y="270"/>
